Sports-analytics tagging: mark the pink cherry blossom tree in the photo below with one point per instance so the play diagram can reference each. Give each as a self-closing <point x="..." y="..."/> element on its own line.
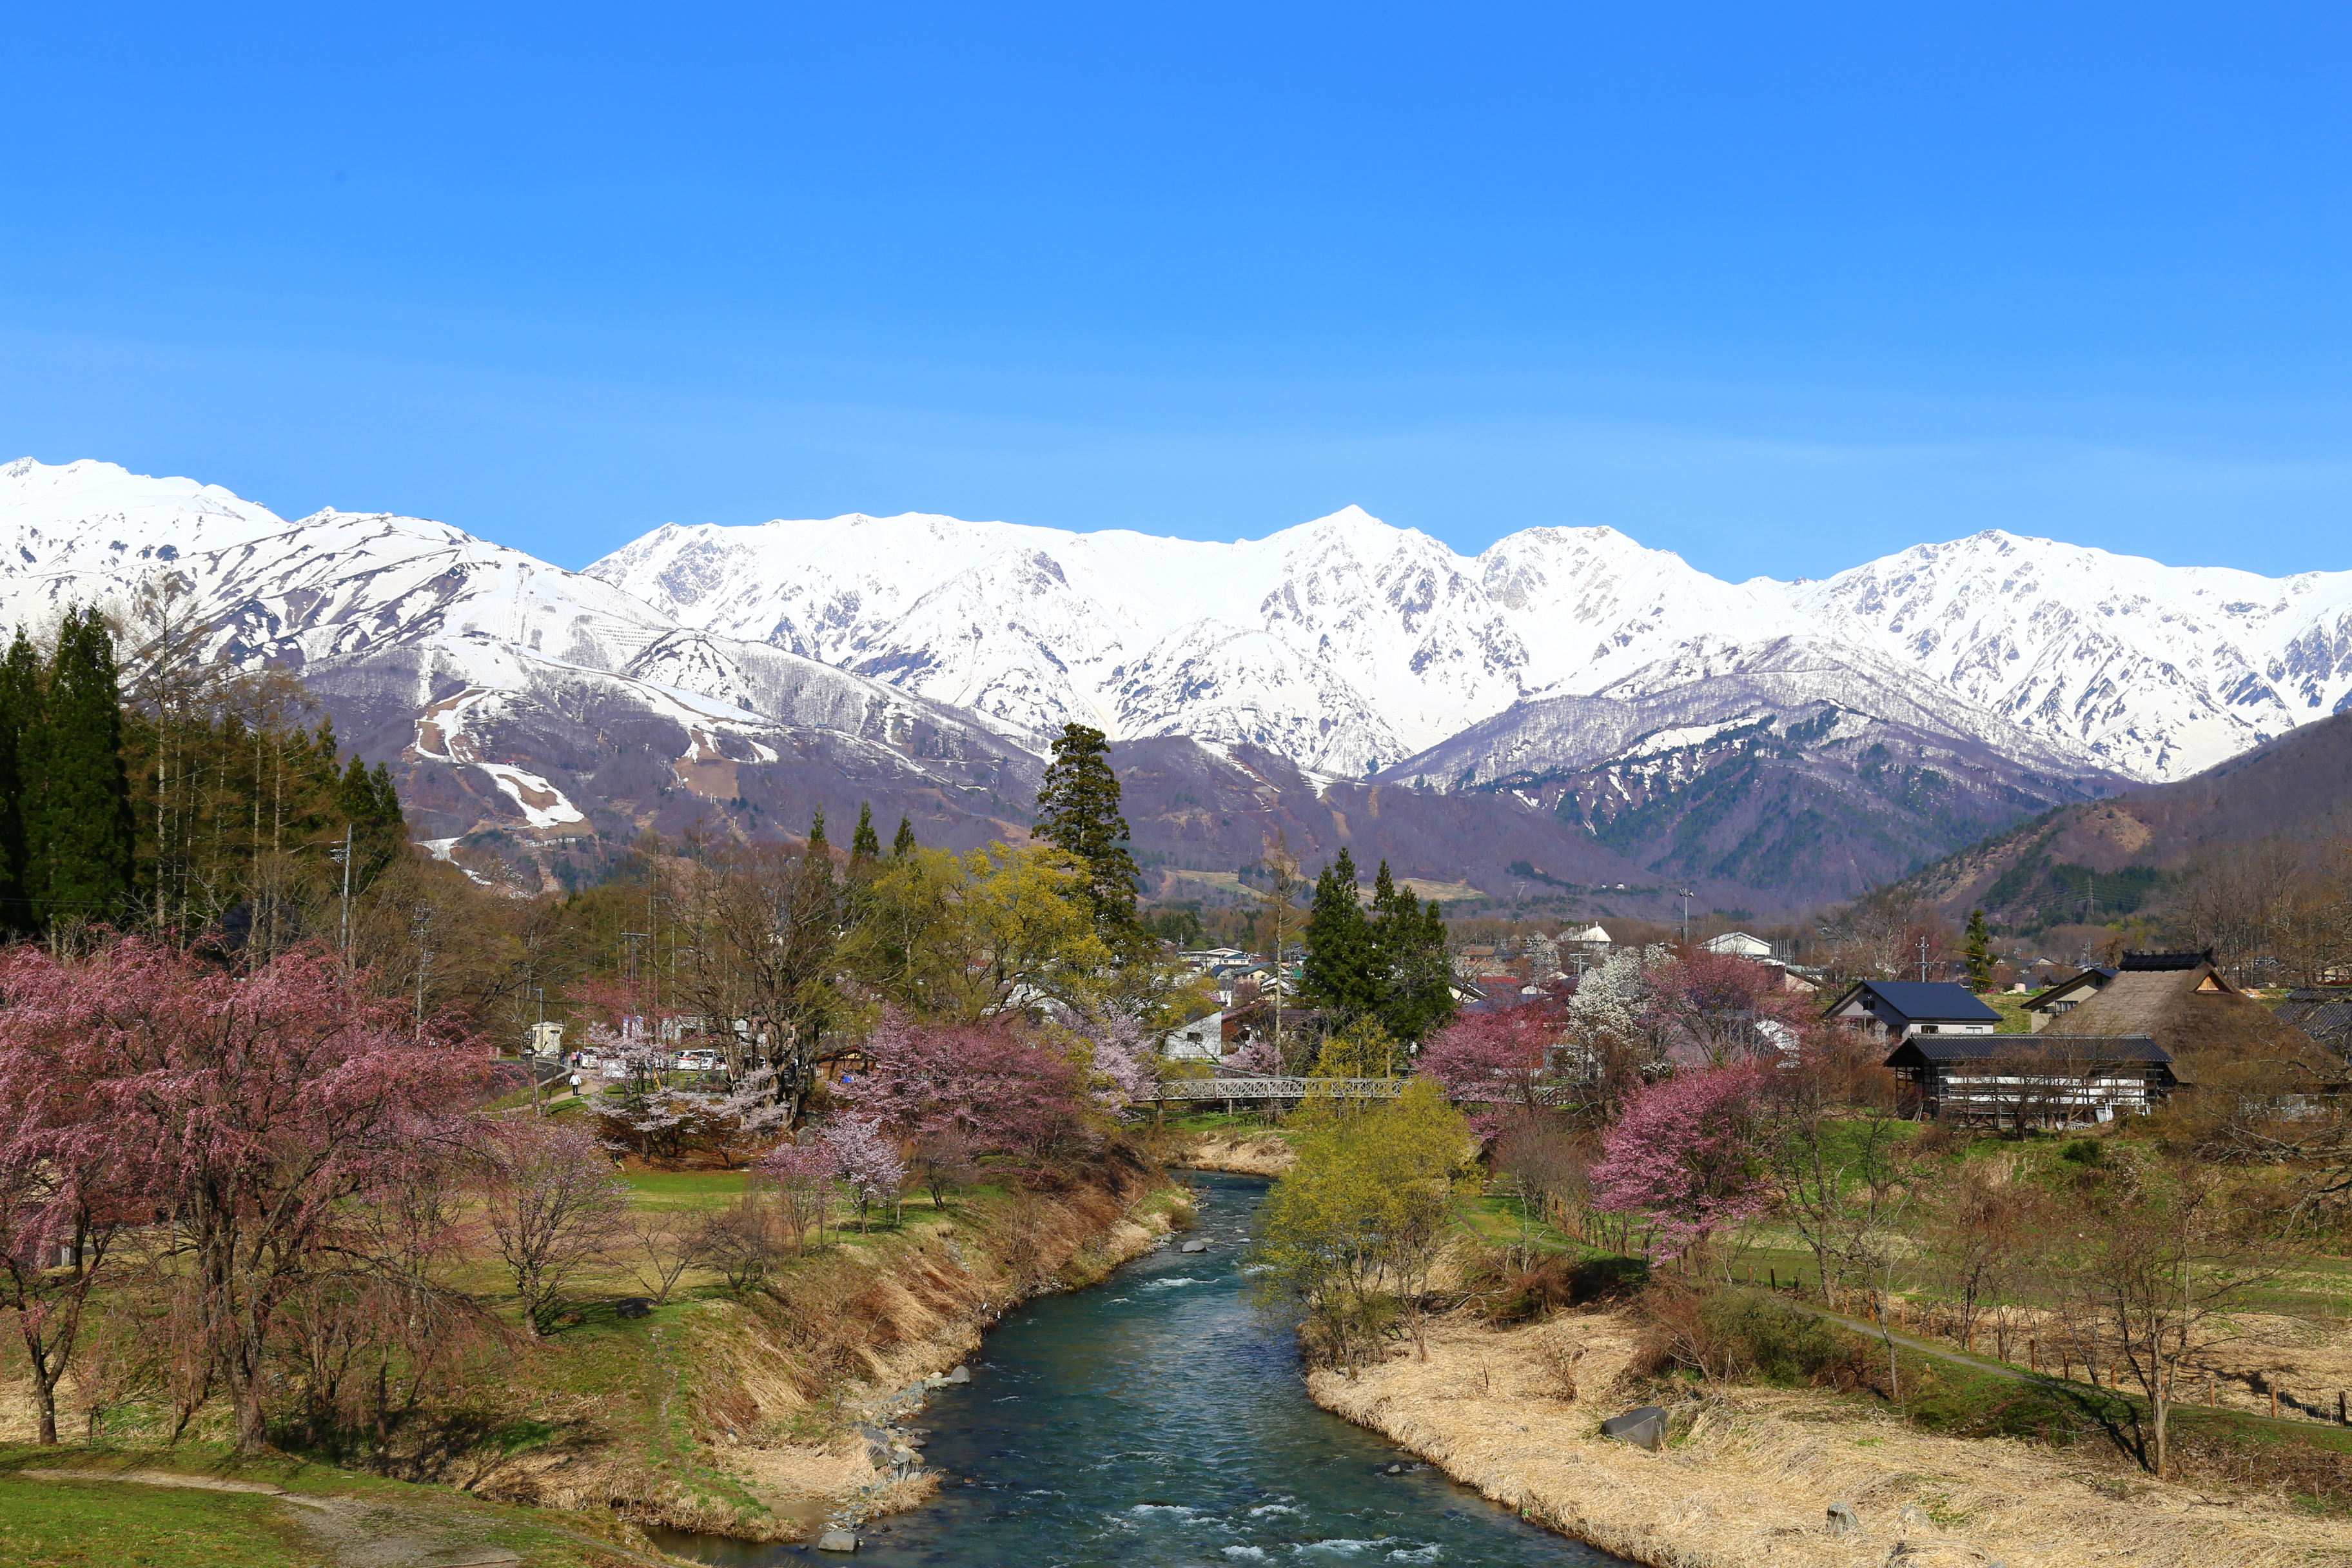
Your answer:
<point x="1497" y="1062"/>
<point x="247" y="1108"/>
<point x="865" y="1157"/>
<point x="1261" y="1058"/>
<point x="1122" y="1055"/>
<point x="1685" y="1154"/>
<point x="802" y="1177"/>
<point x="1012" y="1091"/>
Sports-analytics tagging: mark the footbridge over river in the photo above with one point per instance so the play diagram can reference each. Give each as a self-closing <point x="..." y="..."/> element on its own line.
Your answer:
<point x="1292" y="1089"/>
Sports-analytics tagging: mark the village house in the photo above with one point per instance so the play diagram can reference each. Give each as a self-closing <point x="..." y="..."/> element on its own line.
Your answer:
<point x="1902" y="1008"/>
<point x="2188" y="1006"/>
<point x="2034" y="1080"/>
<point x="1202" y="1040"/>
<point x="1738" y="944"/>
<point x="2066" y="995"/>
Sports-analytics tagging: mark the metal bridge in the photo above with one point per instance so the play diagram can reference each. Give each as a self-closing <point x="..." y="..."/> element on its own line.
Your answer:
<point x="1282" y="1088"/>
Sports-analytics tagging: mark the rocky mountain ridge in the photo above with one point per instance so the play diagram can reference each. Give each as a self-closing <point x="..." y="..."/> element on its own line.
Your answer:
<point x="1567" y="707"/>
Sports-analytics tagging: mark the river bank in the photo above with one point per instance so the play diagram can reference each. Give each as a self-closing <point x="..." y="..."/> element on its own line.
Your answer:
<point x="786" y="1408"/>
<point x="1239" y="1151"/>
<point x="1157" y="1421"/>
<point x="1751" y="1482"/>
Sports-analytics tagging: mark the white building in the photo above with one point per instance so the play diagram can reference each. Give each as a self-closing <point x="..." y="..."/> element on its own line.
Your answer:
<point x="1738" y="944"/>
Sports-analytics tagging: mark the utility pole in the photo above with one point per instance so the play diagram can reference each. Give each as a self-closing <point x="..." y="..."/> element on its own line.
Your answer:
<point x="420" y="930"/>
<point x="1923" y="957"/>
<point x="345" y="856"/>
<point x="629" y="976"/>
<point x="1686" y="895"/>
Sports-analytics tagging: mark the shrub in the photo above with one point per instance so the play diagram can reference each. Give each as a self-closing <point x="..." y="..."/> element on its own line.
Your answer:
<point x="1731" y="1335"/>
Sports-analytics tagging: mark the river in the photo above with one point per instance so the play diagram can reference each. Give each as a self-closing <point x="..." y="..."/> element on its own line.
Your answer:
<point x="1157" y="1421"/>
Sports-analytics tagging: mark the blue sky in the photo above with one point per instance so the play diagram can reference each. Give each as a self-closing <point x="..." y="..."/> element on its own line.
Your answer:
<point x="1779" y="286"/>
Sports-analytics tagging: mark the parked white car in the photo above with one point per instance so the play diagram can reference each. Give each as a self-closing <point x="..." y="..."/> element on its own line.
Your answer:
<point x="699" y="1061"/>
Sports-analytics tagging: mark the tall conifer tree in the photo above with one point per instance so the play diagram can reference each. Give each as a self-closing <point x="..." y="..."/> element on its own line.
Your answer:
<point x="81" y="835"/>
<point x="1414" y="980"/>
<point x="1078" y="814"/>
<point x="20" y="771"/>
<point x="865" y="848"/>
<point x="1341" y="970"/>
<point x="903" y="845"/>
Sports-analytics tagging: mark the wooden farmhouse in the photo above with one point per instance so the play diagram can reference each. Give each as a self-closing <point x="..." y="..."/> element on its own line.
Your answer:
<point x="2108" y="1043"/>
<point x="2034" y="1080"/>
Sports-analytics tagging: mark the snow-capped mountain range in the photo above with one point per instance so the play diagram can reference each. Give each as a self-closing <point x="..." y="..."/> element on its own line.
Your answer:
<point x="921" y="662"/>
<point x="1352" y="645"/>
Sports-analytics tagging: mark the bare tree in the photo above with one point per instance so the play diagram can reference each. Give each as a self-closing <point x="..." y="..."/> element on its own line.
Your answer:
<point x="2155" y="1270"/>
<point x="552" y="1204"/>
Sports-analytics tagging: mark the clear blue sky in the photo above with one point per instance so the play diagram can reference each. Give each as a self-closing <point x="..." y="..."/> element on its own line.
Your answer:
<point x="1781" y="287"/>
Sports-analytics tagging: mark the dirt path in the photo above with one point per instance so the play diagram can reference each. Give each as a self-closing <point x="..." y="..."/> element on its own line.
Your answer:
<point x="360" y="1532"/>
<point x="2042" y="1380"/>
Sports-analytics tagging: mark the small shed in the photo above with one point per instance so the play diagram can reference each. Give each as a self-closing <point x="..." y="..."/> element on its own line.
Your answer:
<point x="2034" y="1080"/>
<point x="1906" y="1007"/>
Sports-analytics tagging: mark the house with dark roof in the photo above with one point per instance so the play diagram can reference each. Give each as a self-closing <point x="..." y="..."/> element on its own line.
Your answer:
<point x="2034" y="1080"/>
<point x="2323" y="1011"/>
<point x="1901" y="1008"/>
<point x="2056" y="1001"/>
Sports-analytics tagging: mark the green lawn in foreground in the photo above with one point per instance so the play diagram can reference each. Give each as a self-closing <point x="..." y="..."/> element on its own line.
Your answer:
<point x="50" y="1524"/>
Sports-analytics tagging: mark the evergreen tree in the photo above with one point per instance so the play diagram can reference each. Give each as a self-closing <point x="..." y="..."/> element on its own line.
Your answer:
<point x="1979" y="951"/>
<point x="1079" y="813"/>
<point x="1341" y="971"/>
<point x="865" y="848"/>
<point x="80" y="837"/>
<point x="1409" y="946"/>
<point x="20" y="771"/>
<point x="818" y="846"/>
<point x="904" y="844"/>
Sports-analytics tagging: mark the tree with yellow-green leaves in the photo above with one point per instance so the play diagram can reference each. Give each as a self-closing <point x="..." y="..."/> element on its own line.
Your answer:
<point x="1363" y="1049"/>
<point x="966" y="935"/>
<point x="1350" y="1237"/>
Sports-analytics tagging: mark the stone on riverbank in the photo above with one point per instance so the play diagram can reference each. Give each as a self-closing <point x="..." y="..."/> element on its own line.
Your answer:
<point x="836" y="1540"/>
<point x="1644" y="1427"/>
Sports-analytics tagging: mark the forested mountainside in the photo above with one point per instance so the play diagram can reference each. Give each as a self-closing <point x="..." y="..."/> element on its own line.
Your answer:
<point x="2101" y="859"/>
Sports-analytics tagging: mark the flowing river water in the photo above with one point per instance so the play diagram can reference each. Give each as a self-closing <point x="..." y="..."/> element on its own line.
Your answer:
<point x="1157" y="1421"/>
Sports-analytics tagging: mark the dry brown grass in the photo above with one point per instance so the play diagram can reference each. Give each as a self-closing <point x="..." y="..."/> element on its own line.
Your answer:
<point x="1243" y="1153"/>
<point x="1748" y="1481"/>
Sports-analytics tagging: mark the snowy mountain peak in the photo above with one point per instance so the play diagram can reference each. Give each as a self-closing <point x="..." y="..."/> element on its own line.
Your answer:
<point x="1347" y="643"/>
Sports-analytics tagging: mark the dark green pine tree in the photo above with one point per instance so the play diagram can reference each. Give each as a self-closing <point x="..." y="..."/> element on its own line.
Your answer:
<point x="369" y="803"/>
<point x="80" y="839"/>
<point x="1409" y="942"/>
<point x="1078" y="814"/>
<point x="817" y="845"/>
<point x="904" y="844"/>
<point x="1341" y="972"/>
<point x="20" y="775"/>
<point x="1980" y="951"/>
<point x="865" y="848"/>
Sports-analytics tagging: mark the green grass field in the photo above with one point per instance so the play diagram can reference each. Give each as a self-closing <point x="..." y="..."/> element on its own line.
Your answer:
<point x="50" y="1524"/>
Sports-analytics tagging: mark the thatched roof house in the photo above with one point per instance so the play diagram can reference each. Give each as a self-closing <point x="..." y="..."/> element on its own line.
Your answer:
<point x="2185" y="1004"/>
